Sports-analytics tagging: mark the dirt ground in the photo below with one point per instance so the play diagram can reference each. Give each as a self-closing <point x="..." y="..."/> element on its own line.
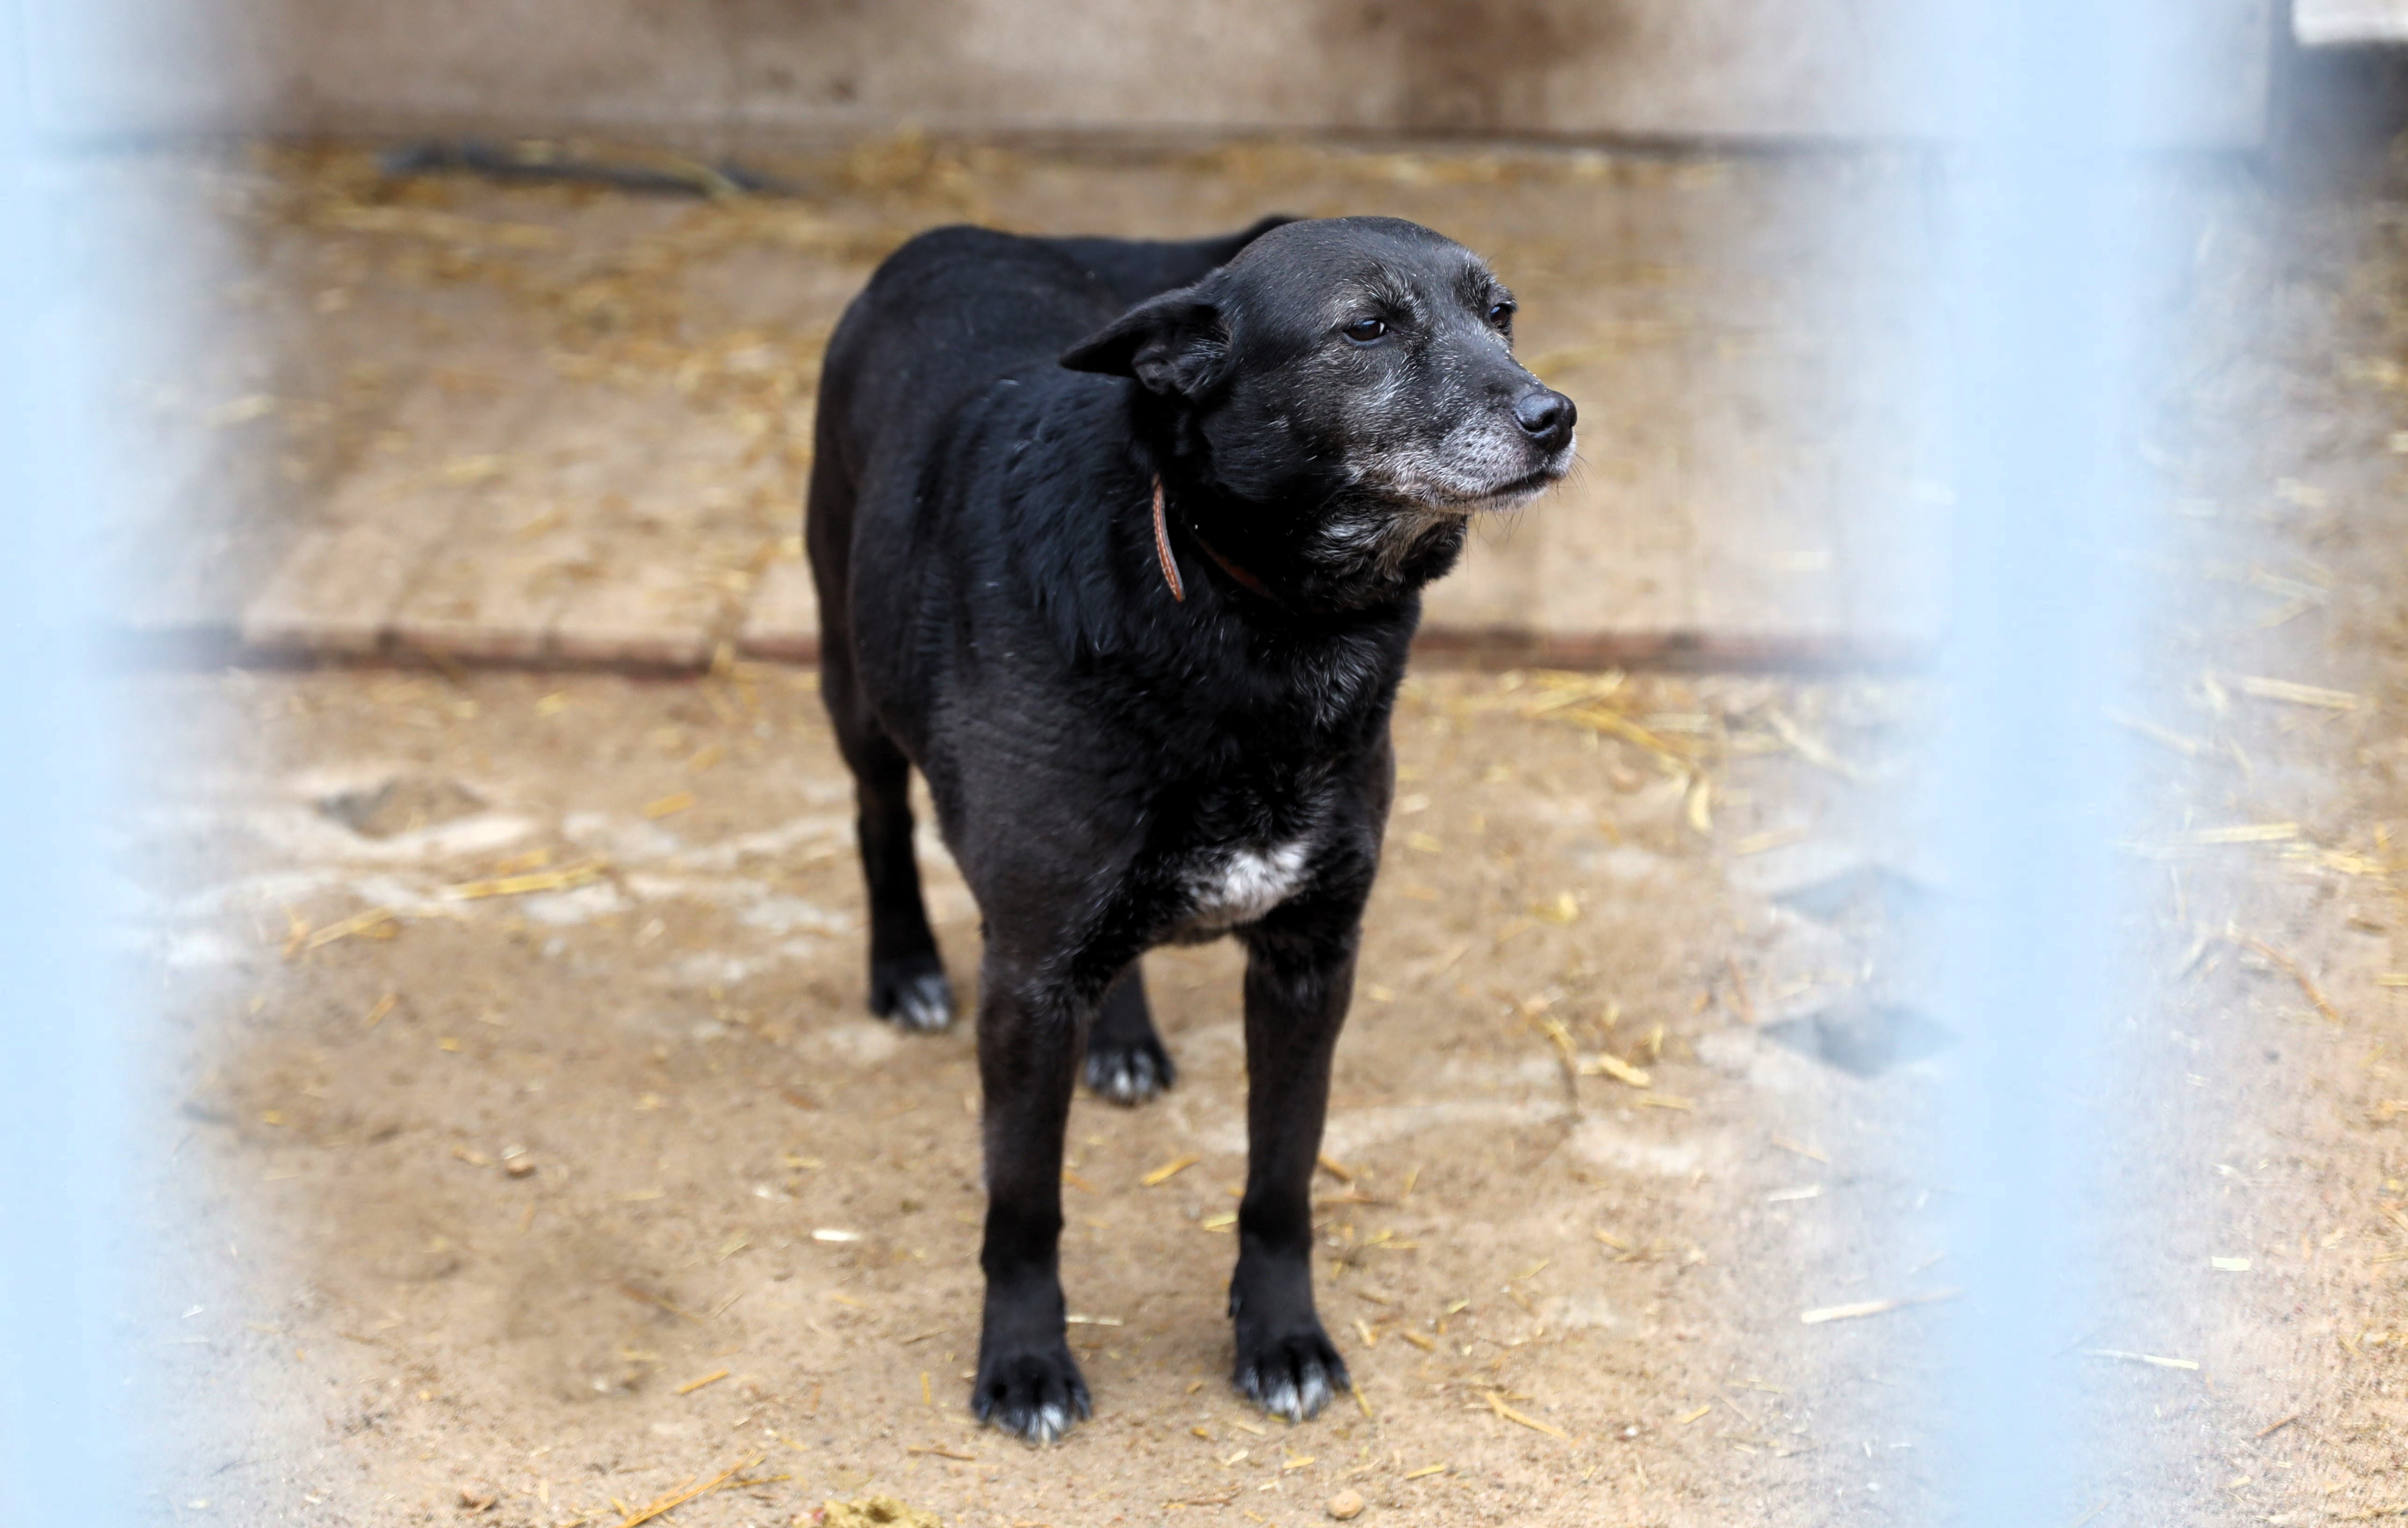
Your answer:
<point x="529" y="1155"/>
<point x="490" y="1188"/>
<point x="2241" y="1363"/>
<point x="2261" y="1120"/>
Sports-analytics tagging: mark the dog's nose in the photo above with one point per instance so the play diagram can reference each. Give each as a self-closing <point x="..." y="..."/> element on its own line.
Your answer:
<point x="1545" y="416"/>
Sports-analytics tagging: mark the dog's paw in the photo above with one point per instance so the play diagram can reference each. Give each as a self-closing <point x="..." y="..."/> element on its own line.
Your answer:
<point x="912" y="991"/>
<point x="1292" y="1375"/>
<point x="1034" y="1395"/>
<point x="1129" y="1074"/>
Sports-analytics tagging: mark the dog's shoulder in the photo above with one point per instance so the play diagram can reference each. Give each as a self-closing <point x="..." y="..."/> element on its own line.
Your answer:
<point x="963" y="253"/>
<point x="943" y="319"/>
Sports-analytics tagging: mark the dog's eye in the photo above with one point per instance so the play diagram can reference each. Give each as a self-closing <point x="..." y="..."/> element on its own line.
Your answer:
<point x="1501" y="314"/>
<point x="1364" y="330"/>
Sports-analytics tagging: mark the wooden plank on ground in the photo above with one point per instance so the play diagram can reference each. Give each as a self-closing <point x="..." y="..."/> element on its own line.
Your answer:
<point x="1765" y="573"/>
<point x="644" y="612"/>
<point x="678" y="549"/>
<point x="782" y="622"/>
<point x="494" y="589"/>
<point x="339" y="588"/>
<point x="336" y="589"/>
<point x="485" y="601"/>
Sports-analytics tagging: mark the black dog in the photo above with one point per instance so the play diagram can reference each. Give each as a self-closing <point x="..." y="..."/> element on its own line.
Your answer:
<point x="1138" y="609"/>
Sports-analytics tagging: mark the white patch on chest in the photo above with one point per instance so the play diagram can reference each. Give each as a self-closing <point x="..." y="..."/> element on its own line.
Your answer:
<point x="1240" y="885"/>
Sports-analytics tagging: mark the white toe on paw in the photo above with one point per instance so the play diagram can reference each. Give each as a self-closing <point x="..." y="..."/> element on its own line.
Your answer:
<point x="1127" y="1077"/>
<point x="926" y="1003"/>
<point x="1315" y="1396"/>
<point x="1296" y="1388"/>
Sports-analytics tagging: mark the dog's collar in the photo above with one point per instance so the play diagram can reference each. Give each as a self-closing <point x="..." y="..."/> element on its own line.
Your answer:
<point x="1161" y="546"/>
<point x="1245" y="580"/>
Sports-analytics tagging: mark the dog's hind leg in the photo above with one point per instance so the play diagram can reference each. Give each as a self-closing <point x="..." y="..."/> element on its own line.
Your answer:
<point x="1027" y="1383"/>
<point x="907" y="979"/>
<point x="1300" y="977"/>
<point x="1126" y="1060"/>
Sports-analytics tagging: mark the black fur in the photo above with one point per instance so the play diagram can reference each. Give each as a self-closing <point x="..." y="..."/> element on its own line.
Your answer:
<point x="1325" y="405"/>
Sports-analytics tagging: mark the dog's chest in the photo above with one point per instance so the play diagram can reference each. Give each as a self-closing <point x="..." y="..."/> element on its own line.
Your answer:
<point x="1242" y="882"/>
<point x="1252" y="847"/>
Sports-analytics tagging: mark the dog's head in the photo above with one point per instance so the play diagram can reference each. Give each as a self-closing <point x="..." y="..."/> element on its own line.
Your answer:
<point x="1364" y="365"/>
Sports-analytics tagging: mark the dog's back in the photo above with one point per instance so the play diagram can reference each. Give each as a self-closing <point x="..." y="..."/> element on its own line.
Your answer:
<point x="956" y="307"/>
<point x="1134" y="269"/>
<point x="942" y="317"/>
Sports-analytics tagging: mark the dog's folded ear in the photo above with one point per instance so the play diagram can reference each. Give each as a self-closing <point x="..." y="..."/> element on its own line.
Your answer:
<point x="1175" y="343"/>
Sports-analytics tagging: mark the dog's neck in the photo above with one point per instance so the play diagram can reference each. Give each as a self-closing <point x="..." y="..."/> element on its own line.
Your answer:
<point x="1304" y="559"/>
<point x="1245" y="578"/>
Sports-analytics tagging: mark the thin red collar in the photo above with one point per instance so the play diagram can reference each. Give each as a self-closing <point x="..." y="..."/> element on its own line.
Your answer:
<point x="1245" y="580"/>
<point x="1162" y="547"/>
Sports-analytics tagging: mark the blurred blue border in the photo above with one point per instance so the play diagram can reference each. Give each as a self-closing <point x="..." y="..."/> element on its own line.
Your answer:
<point x="62" y="1209"/>
<point x="2052" y="247"/>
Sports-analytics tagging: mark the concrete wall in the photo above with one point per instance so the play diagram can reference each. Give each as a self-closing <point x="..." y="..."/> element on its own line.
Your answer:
<point x="727" y="73"/>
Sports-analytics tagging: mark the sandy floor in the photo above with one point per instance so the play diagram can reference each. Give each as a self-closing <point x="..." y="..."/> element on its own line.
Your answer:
<point x="2261" y="1121"/>
<point x="489" y="1193"/>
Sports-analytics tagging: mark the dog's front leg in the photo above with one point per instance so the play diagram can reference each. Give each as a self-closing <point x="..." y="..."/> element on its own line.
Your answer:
<point x="1029" y="1038"/>
<point x="1300" y="977"/>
